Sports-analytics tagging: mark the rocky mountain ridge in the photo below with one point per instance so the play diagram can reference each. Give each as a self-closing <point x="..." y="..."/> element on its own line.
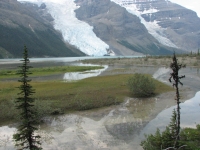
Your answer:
<point x="180" y="25"/>
<point x="170" y="24"/>
<point x="123" y="31"/>
<point x="127" y="27"/>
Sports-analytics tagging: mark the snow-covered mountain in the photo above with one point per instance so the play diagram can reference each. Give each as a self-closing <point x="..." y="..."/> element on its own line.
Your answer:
<point x="74" y="31"/>
<point x="168" y="26"/>
<point x="153" y="27"/>
<point x="29" y="24"/>
<point x="170" y="23"/>
<point x="128" y="27"/>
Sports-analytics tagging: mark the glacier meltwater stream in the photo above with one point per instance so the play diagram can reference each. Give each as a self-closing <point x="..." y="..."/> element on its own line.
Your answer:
<point x="118" y="127"/>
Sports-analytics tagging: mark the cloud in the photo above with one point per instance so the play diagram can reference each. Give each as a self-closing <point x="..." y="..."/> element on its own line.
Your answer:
<point x="192" y="4"/>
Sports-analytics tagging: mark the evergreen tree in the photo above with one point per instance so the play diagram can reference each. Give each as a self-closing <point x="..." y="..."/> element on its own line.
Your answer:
<point x="25" y="138"/>
<point x="169" y="135"/>
<point x="175" y="66"/>
<point x="164" y="140"/>
<point x="173" y="125"/>
<point x="170" y="138"/>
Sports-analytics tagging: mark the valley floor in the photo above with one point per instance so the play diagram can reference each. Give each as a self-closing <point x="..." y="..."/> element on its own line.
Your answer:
<point x="116" y="127"/>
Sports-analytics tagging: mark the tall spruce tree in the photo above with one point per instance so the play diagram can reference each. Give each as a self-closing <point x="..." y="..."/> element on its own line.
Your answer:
<point x="175" y="66"/>
<point x="25" y="137"/>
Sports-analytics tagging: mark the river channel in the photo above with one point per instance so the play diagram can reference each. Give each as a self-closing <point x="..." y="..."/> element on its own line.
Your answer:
<point x="120" y="127"/>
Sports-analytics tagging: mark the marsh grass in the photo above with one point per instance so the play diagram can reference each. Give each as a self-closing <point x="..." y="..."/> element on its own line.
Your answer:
<point x="56" y="97"/>
<point x="189" y="60"/>
<point x="47" y="71"/>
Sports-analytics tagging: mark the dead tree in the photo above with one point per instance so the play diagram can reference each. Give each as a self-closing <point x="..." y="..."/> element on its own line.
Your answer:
<point x="175" y="66"/>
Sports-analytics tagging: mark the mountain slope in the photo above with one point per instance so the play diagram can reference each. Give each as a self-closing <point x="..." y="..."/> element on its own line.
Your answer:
<point x="126" y="27"/>
<point x="121" y="30"/>
<point x="166" y="20"/>
<point x="21" y="24"/>
<point x="74" y="31"/>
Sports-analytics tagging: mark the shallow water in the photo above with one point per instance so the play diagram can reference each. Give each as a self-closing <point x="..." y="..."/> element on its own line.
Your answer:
<point x="60" y="59"/>
<point x="190" y="111"/>
<point x="117" y="127"/>
<point x="74" y="76"/>
<point x="121" y="127"/>
<point x="114" y="130"/>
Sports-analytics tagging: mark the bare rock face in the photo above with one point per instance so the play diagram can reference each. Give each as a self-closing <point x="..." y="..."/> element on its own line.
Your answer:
<point x="14" y="14"/>
<point x="123" y="31"/>
<point x="182" y="26"/>
<point x="110" y="18"/>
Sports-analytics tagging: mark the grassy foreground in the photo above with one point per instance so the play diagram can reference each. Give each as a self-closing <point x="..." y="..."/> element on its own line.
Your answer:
<point x="47" y="71"/>
<point x="55" y="97"/>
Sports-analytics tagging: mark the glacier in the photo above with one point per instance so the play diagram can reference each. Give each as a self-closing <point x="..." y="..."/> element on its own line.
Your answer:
<point x="74" y="31"/>
<point x="153" y="28"/>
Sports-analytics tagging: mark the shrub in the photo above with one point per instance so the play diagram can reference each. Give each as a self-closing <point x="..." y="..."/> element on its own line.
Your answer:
<point x="167" y="140"/>
<point x="141" y="85"/>
<point x="191" y="138"/>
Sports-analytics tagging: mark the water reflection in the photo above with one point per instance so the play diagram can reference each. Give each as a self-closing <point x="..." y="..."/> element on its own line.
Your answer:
<point x="73" y="76"/>
<point x="162" y="74"/>
<point x="190" y="111"/>
<point x="61" y="59"/>
<point x="119" y="129"/>
<point x="6" y="138"/>
<point x="80" y="133"/>
<point x="122" y="127"/>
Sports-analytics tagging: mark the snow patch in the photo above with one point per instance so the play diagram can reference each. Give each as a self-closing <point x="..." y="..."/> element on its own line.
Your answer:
<point x="149" y="11"/>
<point x="153" y="28"/>
<point x="74" y="31"/>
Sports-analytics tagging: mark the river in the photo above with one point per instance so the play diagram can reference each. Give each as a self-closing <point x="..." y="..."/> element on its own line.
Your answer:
<point x="119" y="127"/>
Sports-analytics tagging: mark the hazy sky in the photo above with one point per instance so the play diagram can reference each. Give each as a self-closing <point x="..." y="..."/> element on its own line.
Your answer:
<point x="190" y="4"/>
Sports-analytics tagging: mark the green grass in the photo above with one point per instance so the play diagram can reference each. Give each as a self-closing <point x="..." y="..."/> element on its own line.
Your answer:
<point x="54" y="97"/>
<point x="47" y="71"/>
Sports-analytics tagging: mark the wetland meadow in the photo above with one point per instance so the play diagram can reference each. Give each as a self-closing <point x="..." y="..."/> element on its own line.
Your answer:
<point x="84" y="103"/>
